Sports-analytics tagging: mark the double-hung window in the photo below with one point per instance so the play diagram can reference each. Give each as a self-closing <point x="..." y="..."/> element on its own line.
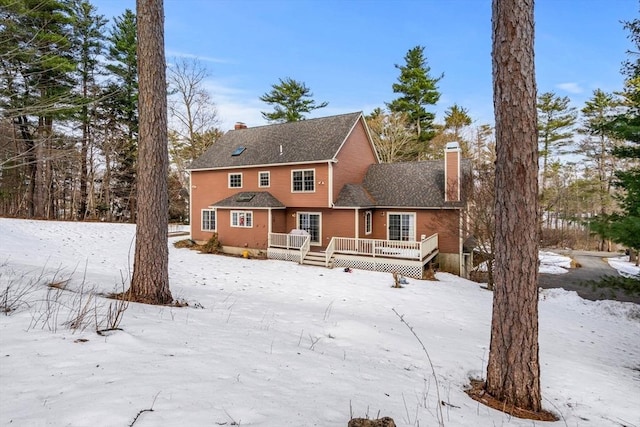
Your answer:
<point x="242" y="219"/>
<point x="235" y="180"/>
<point x="208" y="220"/>
<point x="264" y="179"/>
<point x="303" y="180"/>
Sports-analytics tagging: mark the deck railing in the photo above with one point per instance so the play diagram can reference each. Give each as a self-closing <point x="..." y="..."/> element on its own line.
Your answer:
<point x="287" y="241"/>
<point x="383" y="248"/>
<point x="363" y="247"/>
<point x="428" y="245"/>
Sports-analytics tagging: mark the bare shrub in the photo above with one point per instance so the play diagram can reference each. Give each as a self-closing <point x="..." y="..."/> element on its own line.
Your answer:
<point x="17" y="291"/>
<point x="212" y="246"/>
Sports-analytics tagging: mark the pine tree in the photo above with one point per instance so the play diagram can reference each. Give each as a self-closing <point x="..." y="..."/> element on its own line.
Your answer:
<point x="291" y="100"/>
<point x="418" y="90"/>
<point x="37" y="67"/>
<point x="122" y="107"/>
<point x="624" y="227"/>
<point x="556" y="119"/>
<point x="513" y="370"/>
<point x="89" y="39"/>
<point x="150" y="282"/>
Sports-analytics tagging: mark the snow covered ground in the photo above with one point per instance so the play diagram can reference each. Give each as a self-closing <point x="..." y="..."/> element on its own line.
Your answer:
<point x="550" y="263"/>
<point x="624" y="267"/>
<point x="273" y="343"/>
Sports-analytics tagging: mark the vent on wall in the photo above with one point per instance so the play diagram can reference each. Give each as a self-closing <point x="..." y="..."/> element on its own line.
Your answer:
<point x="238" y="151"/>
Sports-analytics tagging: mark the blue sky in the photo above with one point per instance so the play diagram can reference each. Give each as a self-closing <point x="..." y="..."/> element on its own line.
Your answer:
<point x="345" y="51"/>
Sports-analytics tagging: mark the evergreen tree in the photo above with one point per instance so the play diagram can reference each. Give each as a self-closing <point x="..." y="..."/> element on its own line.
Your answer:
<point x="597" y="147"/>
<point x="624" y="227"/>
<point x="555" y="128"/>
<point x="456" y="118"/>
<point x="37" y="67"/>
<point x="89" y="40"/>
<point x="291" y="100"/>
<point x="122" y="107"/>
<point x="418" y="90"/>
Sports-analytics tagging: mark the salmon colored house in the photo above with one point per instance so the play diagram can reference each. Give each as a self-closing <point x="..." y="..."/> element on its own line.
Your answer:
<point x="315" y="192"/>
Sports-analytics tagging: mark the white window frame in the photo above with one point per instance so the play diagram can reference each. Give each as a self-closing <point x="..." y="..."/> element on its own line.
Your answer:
<point x="215" y="220"/>
<point x="234" y="174"/>
<point x="243" y="219"/>
<point x="412" y="225"/>
<point x="302" y="171"/>
<point x="368" y="222"/>
<point x="319" y="214"/>
<point x="260" y="173"/>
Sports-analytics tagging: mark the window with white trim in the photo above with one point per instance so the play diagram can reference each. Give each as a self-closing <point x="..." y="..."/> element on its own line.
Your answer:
<point x="242" y="219"/>
<point x="235" y="180"/>
<point x="303" y="181"/>
<point x="368" y="221"/>
<point x="402" y="227"/>
<point x="208" y="220"/>
<point x="264" y="179"/>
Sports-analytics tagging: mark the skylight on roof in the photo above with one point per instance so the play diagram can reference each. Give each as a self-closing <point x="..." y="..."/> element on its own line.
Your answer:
<point x="238" y="151"/>
<point x="246" y="197"/>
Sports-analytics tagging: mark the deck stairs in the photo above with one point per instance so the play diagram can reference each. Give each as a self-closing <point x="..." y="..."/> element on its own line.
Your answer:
<point x="316" y="258"/>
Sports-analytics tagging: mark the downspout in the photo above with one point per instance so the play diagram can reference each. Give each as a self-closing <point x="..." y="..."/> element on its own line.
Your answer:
<point x="269" y="228"/>
<point x="191" y="208"/>
<point x="460" y="244"/>
<point x="330" y="184"/>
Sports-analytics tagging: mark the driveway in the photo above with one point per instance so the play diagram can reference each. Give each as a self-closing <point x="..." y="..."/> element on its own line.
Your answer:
<point x="593" y="267"/>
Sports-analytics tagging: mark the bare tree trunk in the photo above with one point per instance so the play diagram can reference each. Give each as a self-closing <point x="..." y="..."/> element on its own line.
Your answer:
<point x="513" y="371"/>
<point x="150" y="282"/>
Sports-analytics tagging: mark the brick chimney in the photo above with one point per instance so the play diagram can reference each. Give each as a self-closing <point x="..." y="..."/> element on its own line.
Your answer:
<point x="239" y="125"/>
<point x="452" y="155"/>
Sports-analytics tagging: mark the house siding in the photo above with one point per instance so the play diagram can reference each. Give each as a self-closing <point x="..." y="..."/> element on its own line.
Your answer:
<point x="254" y="237"/>
<point x="209" y="187"/>
<point x="338" y="223"/>
<point x="354" y="158"/>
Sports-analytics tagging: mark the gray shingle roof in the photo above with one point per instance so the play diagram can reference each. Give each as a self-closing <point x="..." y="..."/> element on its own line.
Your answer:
<point x="250" y="199"/>
<point x="409" y="184"/>
<point x="304" y="141"/>
<point x="353" y="195"/>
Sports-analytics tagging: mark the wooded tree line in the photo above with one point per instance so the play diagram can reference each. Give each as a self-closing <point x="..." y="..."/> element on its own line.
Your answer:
<point x="69" y="122"/>
<point x="69" y="125"/>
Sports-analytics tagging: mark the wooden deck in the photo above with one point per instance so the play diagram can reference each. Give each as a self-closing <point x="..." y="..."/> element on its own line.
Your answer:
<point x="407" y="258"/>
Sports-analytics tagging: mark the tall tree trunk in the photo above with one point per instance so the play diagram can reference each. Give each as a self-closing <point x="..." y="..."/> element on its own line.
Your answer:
<point x="513" y="371"/>
<point x="150" y="283"/>
<point x="84" y="152"/>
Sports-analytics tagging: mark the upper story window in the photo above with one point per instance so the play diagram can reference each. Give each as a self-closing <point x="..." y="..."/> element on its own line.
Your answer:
<point x="303" y="180"/>
<point x="208" y="220"/>
<point x="264" y="179"/>
<point x="242" y="219"/>
<point x="235" y="180"/>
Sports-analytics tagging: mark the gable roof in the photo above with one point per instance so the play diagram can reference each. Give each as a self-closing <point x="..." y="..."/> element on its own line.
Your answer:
<point x="311" y="140"/>
<point x="409" y="184"/>
<point x="250" y="199"/>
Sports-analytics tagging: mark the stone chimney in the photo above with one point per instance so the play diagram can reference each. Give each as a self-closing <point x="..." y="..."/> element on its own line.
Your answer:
<point x="452" y="155"/>
<point x="239" y="125"/>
